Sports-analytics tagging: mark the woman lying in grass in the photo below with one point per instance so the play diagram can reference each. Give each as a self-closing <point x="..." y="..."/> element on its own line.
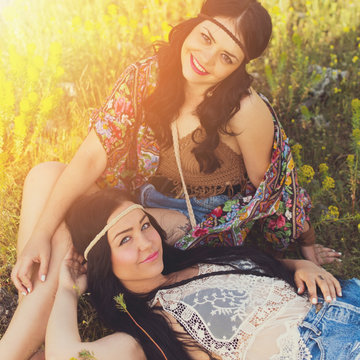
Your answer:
<point x="209" y="303"/>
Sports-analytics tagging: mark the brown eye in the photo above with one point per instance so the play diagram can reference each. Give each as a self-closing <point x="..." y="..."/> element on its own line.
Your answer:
<point x="227" y="58"/>
<point x="206" y="38"/>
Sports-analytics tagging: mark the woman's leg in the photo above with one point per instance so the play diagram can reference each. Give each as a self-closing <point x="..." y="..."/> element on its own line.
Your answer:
<point x="26" y="331"/>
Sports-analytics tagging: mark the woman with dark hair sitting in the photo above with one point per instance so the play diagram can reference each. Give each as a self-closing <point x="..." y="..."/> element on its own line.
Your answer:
<point x="164" y="303"/>
<point x="184" y="132"/>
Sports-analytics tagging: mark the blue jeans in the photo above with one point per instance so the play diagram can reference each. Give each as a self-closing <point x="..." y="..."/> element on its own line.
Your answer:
<point x="148" y="196"/>
<point x="332" y="331"/>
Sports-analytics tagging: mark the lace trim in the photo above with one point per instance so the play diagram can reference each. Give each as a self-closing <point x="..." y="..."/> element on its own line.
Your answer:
<point x="223" y="313"/>
<point x="291" y="345"/>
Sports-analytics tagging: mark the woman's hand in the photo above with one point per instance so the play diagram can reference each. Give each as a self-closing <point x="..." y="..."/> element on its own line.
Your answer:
<point x="308" y="275"/>
<point x="72" y="273"/>
<point x="36" y="251"/>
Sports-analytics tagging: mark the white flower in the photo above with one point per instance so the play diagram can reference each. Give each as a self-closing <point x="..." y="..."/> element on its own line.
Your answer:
<point x="288" y="214"/>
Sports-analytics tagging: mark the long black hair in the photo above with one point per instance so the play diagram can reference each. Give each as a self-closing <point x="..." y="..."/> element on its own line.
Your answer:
<point x="253" y="22"/>
<point x="88" y="216"/>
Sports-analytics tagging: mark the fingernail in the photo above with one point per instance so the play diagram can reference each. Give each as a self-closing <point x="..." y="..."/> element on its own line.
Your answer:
<point x="340" y="293"/>
<point x="43" y="278"/>
<point x="339" y="260"/>
<point x="334" y="299"/>
<point x="328" y="298"/>
<point x="298" y="290"/>
<point x="29" y="290"/>
<point x="24" y="293"/>
<point x="314" y="301"/>
<point x="339" y="253"/>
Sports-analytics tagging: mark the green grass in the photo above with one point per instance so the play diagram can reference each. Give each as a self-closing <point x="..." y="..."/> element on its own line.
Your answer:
<point x="59" y="60"/>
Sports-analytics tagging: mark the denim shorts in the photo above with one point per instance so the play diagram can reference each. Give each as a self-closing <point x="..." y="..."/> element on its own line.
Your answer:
<point x="332" y="331"/>
<point x="148" y="196"/>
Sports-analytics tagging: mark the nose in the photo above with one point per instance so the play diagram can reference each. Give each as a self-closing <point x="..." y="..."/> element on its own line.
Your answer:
<point x="143" y="242"/>
<point x="208" y="56"/>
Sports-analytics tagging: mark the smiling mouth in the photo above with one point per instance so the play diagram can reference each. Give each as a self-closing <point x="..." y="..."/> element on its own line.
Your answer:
<point x="151" y="257"/>
<point x="197" y="67"/>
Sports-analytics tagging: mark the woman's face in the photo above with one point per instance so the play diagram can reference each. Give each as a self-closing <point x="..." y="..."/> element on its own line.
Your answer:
<point x="136" y="250"/>
<point x="209" y="54"/>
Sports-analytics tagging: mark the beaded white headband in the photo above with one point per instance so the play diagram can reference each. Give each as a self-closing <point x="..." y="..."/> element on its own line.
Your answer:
<point x="108" y="226"/>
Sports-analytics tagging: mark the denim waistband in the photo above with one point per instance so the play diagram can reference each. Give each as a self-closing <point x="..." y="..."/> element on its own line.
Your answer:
<point x="332" y="331"/>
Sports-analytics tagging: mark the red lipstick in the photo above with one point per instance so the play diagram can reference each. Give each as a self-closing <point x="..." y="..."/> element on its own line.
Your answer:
<point x="151" y="257"/>
<point x="197" y="67"/>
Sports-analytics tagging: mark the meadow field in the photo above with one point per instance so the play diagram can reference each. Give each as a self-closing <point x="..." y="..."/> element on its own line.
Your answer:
<point x="60" y="58"/>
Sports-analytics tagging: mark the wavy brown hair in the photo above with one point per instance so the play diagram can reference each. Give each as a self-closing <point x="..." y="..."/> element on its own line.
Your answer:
<point x="253" y="22"/>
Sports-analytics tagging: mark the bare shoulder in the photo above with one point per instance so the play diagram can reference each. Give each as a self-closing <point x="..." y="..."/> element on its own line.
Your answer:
<point x="253" y="113"/>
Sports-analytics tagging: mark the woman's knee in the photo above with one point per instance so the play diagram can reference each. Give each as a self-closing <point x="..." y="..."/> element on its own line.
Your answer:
<point x="47" y="172"/>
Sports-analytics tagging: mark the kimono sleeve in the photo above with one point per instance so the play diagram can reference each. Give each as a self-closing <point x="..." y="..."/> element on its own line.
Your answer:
<point x="114" y="122"/>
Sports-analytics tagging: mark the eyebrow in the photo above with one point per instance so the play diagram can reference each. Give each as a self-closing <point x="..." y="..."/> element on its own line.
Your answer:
<point x="128" y="229"/>
<point x="212" y="38"/>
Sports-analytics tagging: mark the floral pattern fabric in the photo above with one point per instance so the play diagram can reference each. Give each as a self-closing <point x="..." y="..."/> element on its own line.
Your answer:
<point x="278" y="204"/>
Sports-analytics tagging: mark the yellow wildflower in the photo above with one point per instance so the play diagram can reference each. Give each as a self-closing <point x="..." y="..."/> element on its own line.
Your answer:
<point x="166" y="28"/>
<point x="106" y="19"/>
<point x="346" y="29"/>
<point x="123" y="21"/>
<point x="350" y="160"/>
<point x="33" y="97"/>
<point x="355" y="104"/>
<point x="59" y="72"/>
<point x="89" y="25"/>
<point x="32" y="74"/>
<point x="337" y="90"/>
<point x="46" y="105"/>
<point x="323" y="168"/>
<point x="328" y="183"/>
<point x="38" y="61"/>
<point x="25" y="106"/>
<point x="133" y="23"/>
<point x="356" y="134"/>
<point x="355" y="59"/>
<point x="296" y="149"/>
<point x="76" y="22"/>
<point x="307" y="173"/>
<point x="146" y="30"/>
<point x="31" y="47"/>
<point x="112" y="9"/>
<point x="333" y="212"/>
<point x="20" y="127"/>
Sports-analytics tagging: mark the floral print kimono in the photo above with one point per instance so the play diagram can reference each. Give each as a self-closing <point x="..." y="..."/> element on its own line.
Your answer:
<point x="278" y="204"/>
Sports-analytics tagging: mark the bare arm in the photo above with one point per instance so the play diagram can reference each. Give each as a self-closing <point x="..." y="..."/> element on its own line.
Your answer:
<point x="83" y="170"/>
<point x="63" y="341"/>
<point x="62" y="335"/>
<point x="254" y="125"/>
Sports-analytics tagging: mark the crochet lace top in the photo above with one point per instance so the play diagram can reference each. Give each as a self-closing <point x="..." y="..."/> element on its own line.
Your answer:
<point x="230" y="173"/>
<point x="237" y="316"/>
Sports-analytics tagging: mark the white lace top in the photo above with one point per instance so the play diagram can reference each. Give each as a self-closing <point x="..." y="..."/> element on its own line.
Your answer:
<point x="238" y="316"/>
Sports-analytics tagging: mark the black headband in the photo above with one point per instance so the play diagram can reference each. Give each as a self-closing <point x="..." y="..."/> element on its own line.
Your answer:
<point x="238" y="42"/>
